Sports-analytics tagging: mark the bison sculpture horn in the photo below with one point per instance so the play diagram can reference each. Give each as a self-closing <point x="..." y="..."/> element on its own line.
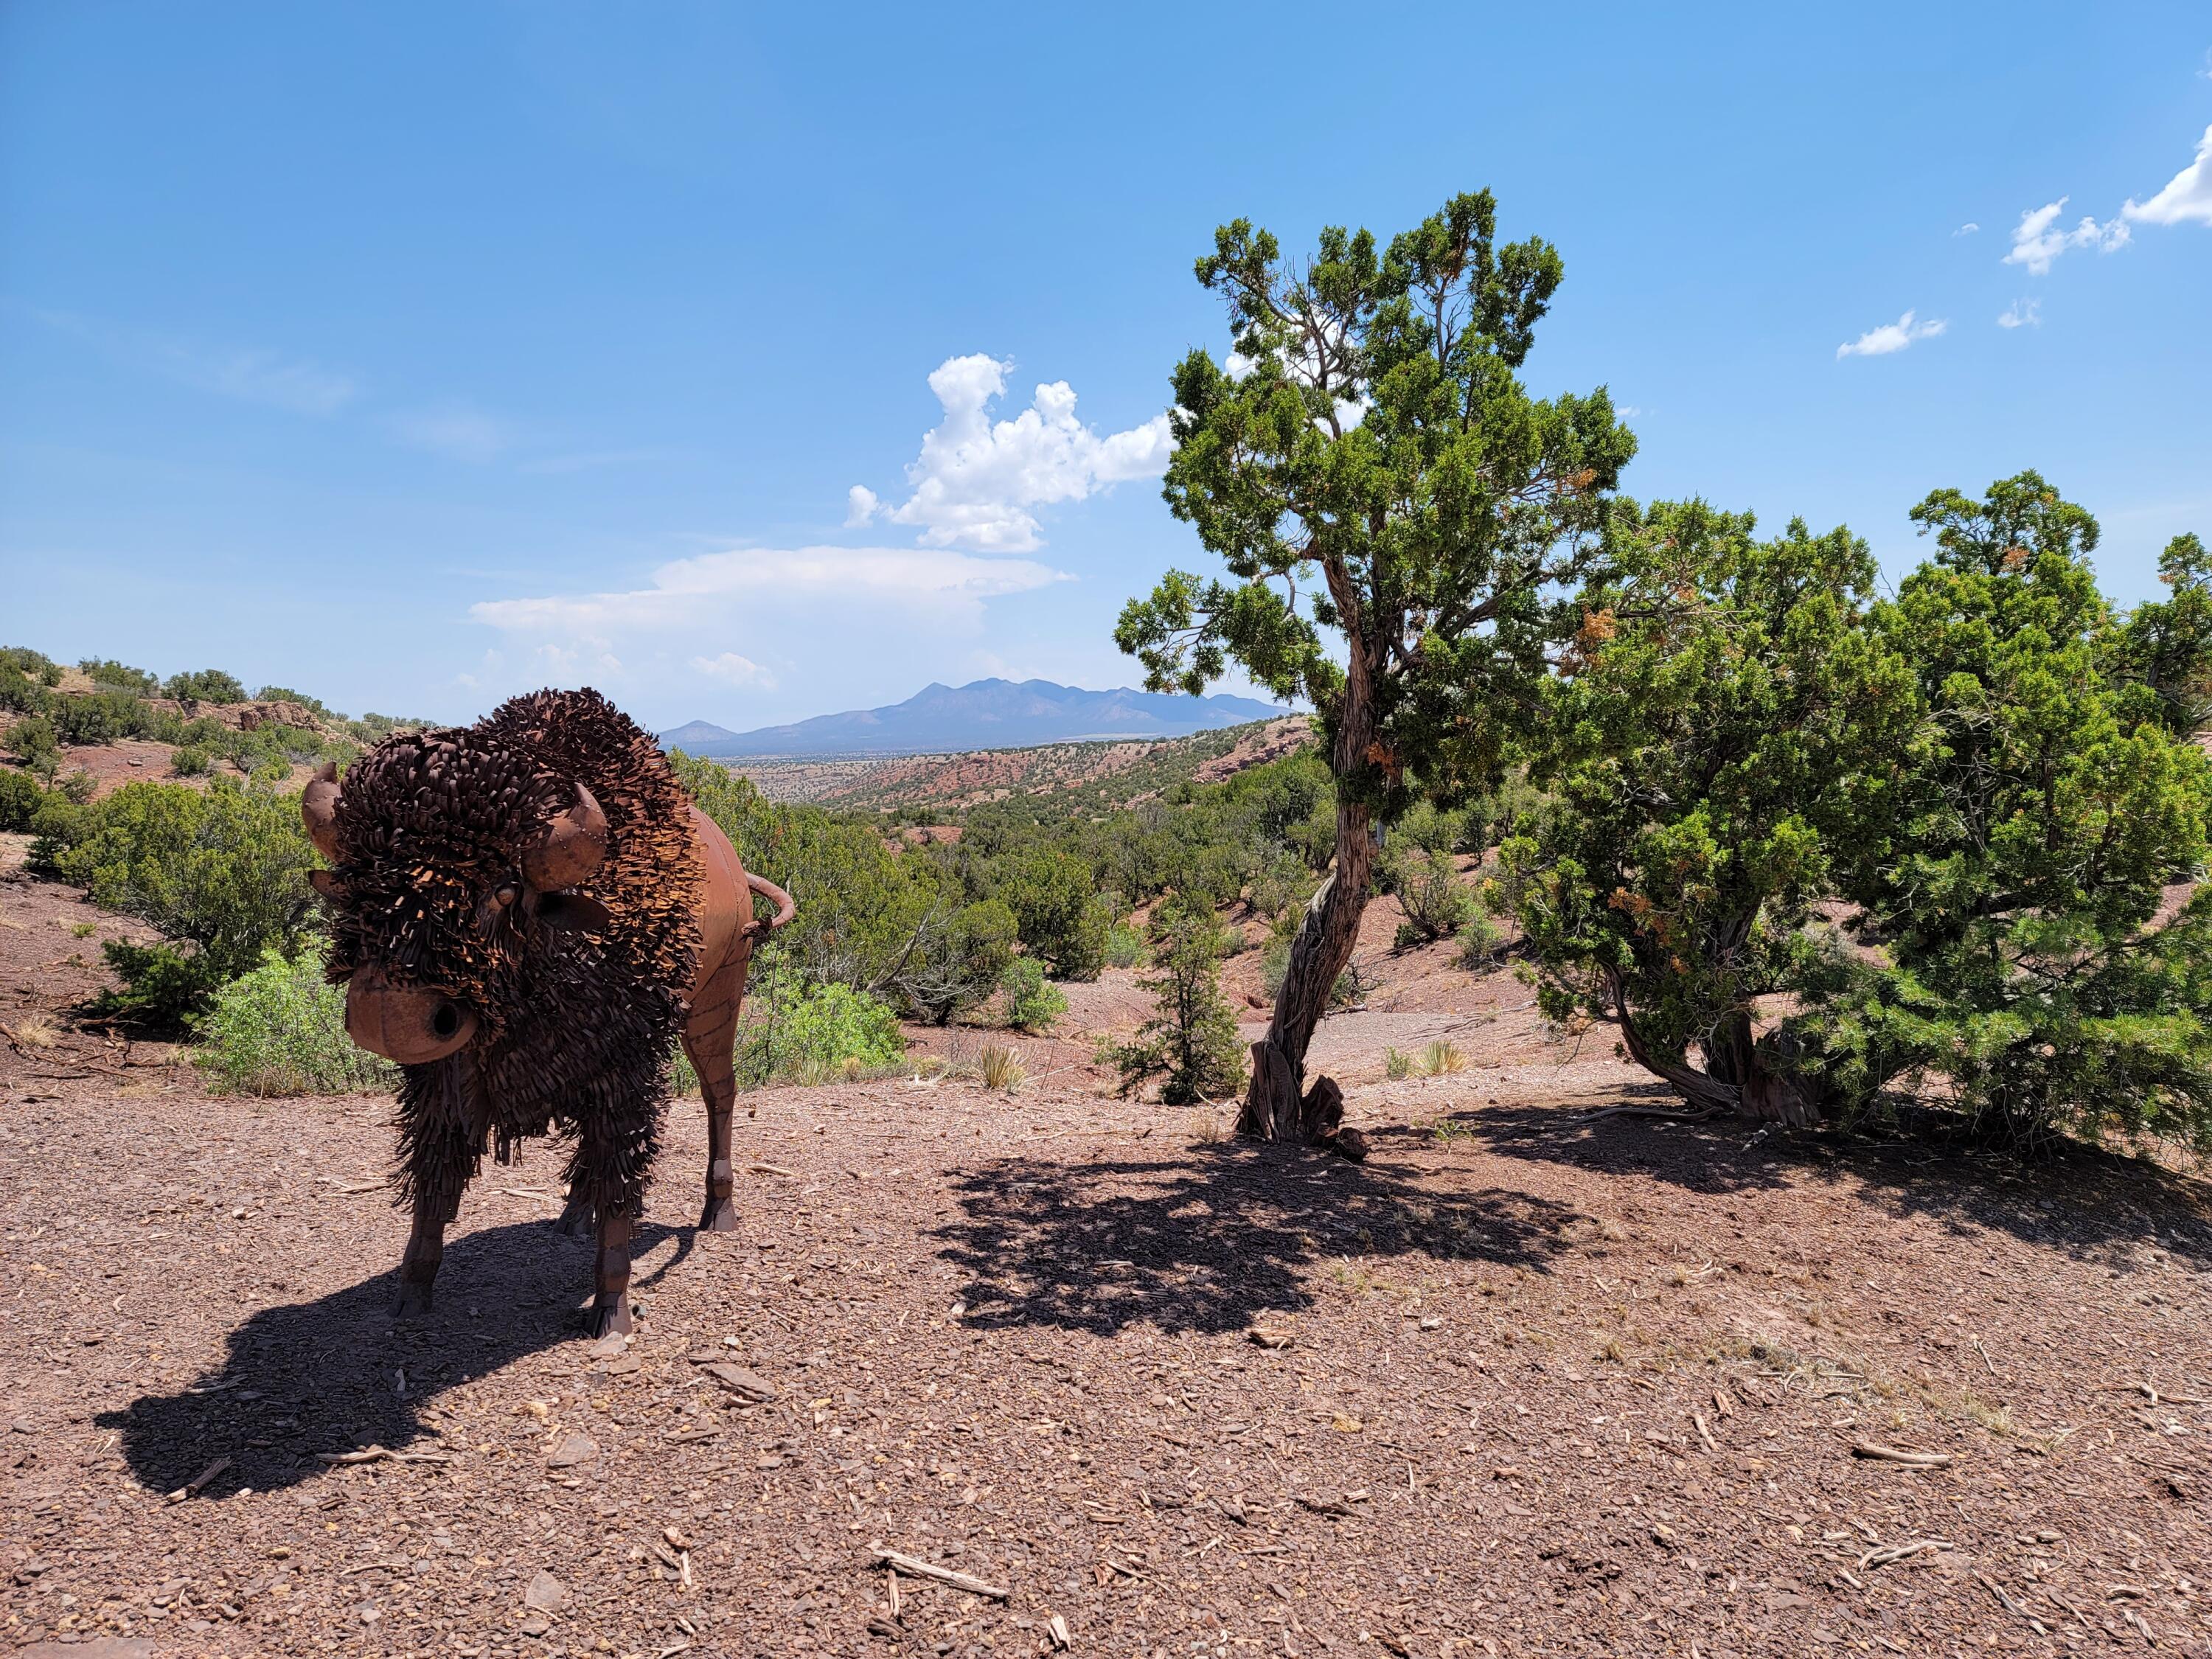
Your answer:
<point x="530" y="947"/>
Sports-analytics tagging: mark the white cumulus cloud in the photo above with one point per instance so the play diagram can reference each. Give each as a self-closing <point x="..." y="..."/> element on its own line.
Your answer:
<point x="2022" y="313"/>
<point x="860" y="505"/>
<point x="2038" y="239"/>
<point x="734" y="670"/>
<point x="2187" y="197"/>
<point x="976" y="481"/>
<point x="1891" y="337"/>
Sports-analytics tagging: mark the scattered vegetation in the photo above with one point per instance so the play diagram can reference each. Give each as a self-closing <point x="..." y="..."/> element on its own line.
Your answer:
<point x="1000" y="1067"/>
<point x="279" y="1029"/>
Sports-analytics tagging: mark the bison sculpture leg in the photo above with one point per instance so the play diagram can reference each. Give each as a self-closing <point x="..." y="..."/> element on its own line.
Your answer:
<point x="710" y="1040"/>
<point x="443" y="1154"/>
<point x="607" y="1174"/>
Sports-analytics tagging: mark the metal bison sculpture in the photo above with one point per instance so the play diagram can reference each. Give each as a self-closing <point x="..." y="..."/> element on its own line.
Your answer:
<point x="528" y="914"/>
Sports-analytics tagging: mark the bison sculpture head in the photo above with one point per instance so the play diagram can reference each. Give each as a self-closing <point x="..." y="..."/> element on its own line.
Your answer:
<point x="459" y="868"/>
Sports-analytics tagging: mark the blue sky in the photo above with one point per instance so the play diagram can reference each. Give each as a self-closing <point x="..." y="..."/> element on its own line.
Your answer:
<point x="413" y="355"/>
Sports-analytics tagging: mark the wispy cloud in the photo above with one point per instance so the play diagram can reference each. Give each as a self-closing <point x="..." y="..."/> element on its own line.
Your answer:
<point x="2022" y="313"/>
<point x="1891" y="337"/>
<point x="455" y="431"/>
<point x="976" y="480"/>
<point x="2187" y="197"/>
<point x="731" y="669"/>
<point x="1966" y="229"/>
<point x="251" y="374"/>
<point x="2038" y="239"/>
<point x="687" y="595"/>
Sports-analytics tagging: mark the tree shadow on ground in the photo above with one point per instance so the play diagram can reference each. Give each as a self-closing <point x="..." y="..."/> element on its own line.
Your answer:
<point x="2085" y="1202"/>
<point x="339" y="1373"/>
<point x="1210" y="1239"/>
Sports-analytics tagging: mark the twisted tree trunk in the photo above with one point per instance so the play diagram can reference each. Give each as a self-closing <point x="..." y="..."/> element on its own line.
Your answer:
<point x="1278" y="1106"/>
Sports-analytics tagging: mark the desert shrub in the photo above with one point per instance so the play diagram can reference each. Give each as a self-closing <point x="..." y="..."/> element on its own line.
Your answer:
<point x="204" y="686"/>
<point x="1001" y="1067"/>
<point x="279" y="1029"/>
<point x="1191" y="1041"/>
<point x="1064" y="919"/>
<point x="33" y="739"/>
<point x="78" y="786"/>
<point x="112" y="676"/>
<point x="286" y="694"/>
<point x="32" y="664"/>
<point x="1396" y="1065"/>
<point x="20" y="692"/>
<point x="188" y="763"/>
<point x="1442" y="1058"/>
<point x="1032" y="1002"/>
<point x="221" y="873"/>
<point x="1125" y="945"/>
<point x="957" y="958"/>
<point x="103" y="717"/>
<point x="807" y="1033"/>
<point x="19" y="800"/>
<point x="1281" y="882"/>
<point x="1436" y="903"/>
<point x="1479" y="941"/>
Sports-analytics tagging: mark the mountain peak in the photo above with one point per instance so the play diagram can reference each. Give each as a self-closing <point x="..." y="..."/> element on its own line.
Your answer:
<point x="987" y="713"/>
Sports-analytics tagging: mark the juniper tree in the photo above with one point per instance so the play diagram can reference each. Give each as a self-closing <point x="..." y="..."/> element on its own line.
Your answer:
<point x="2035" y="972"/>
<point x="1390" y="506"/>
<point x="1724" y="719"/>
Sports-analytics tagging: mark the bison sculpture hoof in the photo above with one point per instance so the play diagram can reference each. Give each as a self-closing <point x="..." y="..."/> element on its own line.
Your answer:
<point x="577" y="1220"/>
<point x="720" y="1216"/>
<point x="411" y="1301"/>
<point x="608" y="1318"/>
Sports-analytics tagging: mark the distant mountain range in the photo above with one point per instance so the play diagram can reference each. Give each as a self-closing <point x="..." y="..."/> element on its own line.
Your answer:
<point x="983" y="715"/>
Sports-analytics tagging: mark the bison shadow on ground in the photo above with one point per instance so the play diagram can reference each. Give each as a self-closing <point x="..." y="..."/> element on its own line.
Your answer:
<point x="339" y="1373"/>
<point x="2086" y="1203"/>
<point x="1210" y="1240"/>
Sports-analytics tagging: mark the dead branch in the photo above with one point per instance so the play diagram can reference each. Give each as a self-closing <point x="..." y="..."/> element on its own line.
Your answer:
<point x="914" y="1567"/>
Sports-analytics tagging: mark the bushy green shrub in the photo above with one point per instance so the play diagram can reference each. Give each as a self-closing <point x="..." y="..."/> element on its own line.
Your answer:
<point x="1032" y="1002"/>
<point x="20" y="800"/>
<point x="221" y="873"/>
<point x="800" y="1033"/>
<point x="33" y="739"/>
<point x="1479" y="941"/>
<point x="205" y="685"/>
<point x="1064" y="919"/>
<point x="35" y="665"/>
<point x="112" y="676"/>
<point x="279" y="1029"/>
<point x="20" y="691"/>
<point x="1125" y="945"/>
<point x="286" y="694"/>
<point x="78" y="786"/>
<point x="188" y="762"/>
<point x="103" y="717"/>
<point x="1430" y="893"/>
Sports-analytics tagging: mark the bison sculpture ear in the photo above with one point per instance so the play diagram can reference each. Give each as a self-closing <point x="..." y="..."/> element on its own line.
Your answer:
<point x="324" y="882"/>
<point x="569" y="846"/>
<point x="318" y="811"/>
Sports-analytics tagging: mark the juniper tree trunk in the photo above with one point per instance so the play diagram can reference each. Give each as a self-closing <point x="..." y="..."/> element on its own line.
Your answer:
<point x="1278" y="1106"/>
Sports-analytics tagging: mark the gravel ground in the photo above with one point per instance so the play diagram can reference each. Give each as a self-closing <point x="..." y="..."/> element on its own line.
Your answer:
<point x="1526" y="1382"/>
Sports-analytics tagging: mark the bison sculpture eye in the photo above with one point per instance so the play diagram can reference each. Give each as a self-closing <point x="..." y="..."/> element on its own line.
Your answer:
<point x="505" y="894"/>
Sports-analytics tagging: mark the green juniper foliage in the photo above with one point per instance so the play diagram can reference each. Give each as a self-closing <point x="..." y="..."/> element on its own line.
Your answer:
<point x="1391" y="507"/>
<point x="2028" y="975"/>
<point x="2165" y="647"/>
<point x="1033" y="1004"/>
<point x="1724" y="721"/>
<point x="220" y="872"/>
